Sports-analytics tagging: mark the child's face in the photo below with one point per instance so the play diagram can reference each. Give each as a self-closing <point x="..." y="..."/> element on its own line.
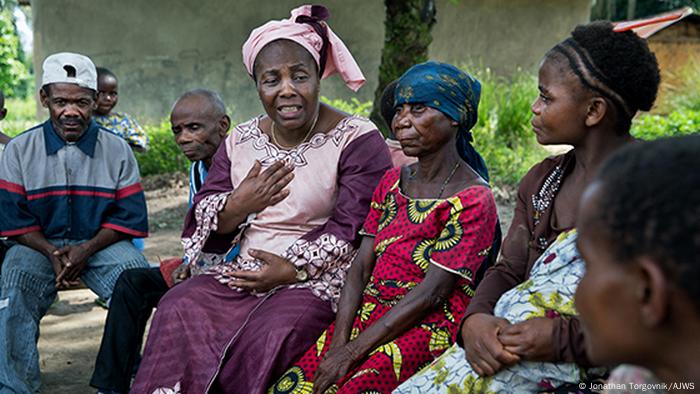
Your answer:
<point x="560" y="109"/>
<point x="107" y="95"/>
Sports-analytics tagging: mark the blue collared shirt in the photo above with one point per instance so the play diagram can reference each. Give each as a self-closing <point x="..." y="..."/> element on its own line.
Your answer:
<point x="70" y="190"/>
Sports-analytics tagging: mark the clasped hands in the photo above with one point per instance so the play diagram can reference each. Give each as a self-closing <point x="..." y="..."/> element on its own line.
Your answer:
<point x="492" y="343"/>
<point x="67" y="262"/>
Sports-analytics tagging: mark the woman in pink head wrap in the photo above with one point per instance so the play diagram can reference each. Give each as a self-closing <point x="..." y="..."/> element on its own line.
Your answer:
<point x="289" y="190"/>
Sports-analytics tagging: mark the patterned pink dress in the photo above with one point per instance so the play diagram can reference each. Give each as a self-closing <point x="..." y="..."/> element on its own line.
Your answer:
<point x="411" y="235"/>
<point x="209" y="335"/>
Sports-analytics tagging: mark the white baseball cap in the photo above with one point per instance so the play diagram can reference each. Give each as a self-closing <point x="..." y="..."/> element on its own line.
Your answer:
<point x="66" y="67"/>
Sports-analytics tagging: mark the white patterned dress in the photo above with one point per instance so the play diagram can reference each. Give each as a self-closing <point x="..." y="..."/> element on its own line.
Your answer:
<point x="549" y="292"/>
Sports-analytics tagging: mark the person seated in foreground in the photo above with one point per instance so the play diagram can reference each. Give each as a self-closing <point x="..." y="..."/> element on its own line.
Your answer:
<point x="199" y="123"/>
<point x="521" y="332"/>
<point x="71" y="200"/>
<point x="291" y="188"/>
<point x="121" y="124"/>
<point x="430" y="227"/>
<point x="639" y="232"/>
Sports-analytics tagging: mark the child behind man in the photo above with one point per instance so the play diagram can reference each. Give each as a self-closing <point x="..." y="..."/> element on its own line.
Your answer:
<point x="120" y="123"/>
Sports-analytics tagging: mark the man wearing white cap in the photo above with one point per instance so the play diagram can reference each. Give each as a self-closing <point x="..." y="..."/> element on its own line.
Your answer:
<point x="70" y="201"/>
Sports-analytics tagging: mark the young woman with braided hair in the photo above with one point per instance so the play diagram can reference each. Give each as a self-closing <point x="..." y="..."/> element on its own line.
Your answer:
<point x="520" y="332"/>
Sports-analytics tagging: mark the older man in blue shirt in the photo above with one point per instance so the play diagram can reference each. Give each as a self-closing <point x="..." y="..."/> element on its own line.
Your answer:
<point x="70" y="200"/>
<point x="199" y="124"/>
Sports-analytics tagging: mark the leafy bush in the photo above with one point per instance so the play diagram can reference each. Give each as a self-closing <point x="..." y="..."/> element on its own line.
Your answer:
<point x="353" y="107"/>
<point x="14" y="74"/>
<point x="163" y="155"/>
<point x="682" y="122"/>
<point x="21" y="115"/>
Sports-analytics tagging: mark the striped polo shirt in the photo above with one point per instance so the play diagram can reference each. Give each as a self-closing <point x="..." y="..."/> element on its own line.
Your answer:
<point x="70" y="190"/>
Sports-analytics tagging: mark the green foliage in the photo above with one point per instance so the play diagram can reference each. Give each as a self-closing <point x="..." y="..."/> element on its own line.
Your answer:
<point x="681" y="122"/>
<point x="163" y="155"/>
<point x="14" y="74"/>
<point x="353" y="107"/>
<point x="21" y="115"/>
<point x="503" y="134"/>
<point x="504" y="108"/>
<point x="687" y="94"/>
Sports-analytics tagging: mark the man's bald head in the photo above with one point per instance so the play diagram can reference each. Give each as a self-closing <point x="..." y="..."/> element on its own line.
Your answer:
<point x="205" y="97"/>
<point x="199" y="122"/>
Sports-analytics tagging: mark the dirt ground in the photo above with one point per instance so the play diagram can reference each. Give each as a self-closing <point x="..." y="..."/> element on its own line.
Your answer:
<point x="71" y="331"/>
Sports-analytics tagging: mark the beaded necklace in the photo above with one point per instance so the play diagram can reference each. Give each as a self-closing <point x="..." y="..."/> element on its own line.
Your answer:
<point x="543" y="199"/>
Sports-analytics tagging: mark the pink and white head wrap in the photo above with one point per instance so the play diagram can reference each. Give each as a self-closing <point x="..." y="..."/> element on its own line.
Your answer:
<point x="305" y="27"/>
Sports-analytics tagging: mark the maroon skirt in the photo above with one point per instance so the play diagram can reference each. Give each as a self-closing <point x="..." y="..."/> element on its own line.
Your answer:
<point x="206" y="337"/>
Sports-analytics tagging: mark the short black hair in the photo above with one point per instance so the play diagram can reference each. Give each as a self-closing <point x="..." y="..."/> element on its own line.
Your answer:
<point x="625" y="62"/>
<point x="105" y="72"/>
<point x="386" y="104"/>
<point x="650" y="206"/>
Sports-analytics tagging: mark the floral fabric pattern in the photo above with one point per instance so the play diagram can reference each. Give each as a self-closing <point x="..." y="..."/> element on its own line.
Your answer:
<point x="549" y="292"/>
<point x="124" y="126"/>
<point x="410" y="236"/>
<point x="207" y="216"/>
<point x="296" y="156"/>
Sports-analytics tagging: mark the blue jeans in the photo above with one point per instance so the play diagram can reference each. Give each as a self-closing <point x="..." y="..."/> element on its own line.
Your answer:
<point x="26" y="293"/>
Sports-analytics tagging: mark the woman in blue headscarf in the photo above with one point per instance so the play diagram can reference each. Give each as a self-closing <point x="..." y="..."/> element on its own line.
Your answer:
<point x="430" y="228"/>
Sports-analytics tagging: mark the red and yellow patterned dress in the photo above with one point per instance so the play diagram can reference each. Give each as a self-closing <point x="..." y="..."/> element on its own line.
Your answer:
<point x="454" y="234"/>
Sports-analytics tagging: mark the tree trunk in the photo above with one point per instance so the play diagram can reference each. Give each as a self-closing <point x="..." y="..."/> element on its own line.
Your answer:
<point x="406" y="40"/>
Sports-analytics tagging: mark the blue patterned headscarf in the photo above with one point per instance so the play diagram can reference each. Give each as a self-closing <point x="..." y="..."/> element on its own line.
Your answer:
<point x="451" y="91"/>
